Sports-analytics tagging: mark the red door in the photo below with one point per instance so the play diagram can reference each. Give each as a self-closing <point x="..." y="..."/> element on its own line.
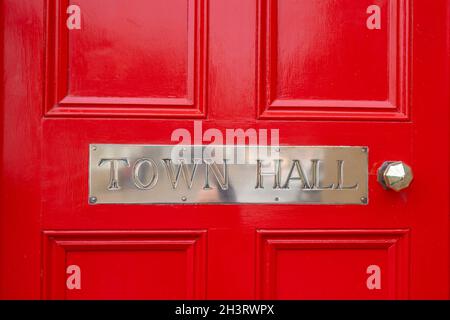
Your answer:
<point x="370" y="73"/>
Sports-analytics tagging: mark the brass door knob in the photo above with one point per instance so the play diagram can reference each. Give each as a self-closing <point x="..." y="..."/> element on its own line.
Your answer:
<point x="395" y="175"/>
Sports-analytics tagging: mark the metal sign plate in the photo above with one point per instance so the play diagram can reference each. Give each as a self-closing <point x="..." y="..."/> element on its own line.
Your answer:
<point x="161" y="174"/>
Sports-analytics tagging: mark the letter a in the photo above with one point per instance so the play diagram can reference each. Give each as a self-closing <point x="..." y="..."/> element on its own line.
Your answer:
<point x="374" y="21"/>
<point x="74" y="20"/>
<point x="74" y="280"/>
<point x="374" y="280"/>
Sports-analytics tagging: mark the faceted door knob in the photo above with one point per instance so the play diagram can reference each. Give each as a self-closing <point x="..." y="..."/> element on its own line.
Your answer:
<point x="395" y="175"/>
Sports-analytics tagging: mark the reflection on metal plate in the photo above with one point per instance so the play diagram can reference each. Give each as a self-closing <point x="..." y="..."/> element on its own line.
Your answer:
<point x="149" y="174"/>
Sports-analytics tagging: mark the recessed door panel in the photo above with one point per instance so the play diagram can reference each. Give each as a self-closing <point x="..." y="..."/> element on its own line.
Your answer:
<point x="333" y="264"/>
<point x="124" y="264"/>
<point x="334" y="59"/>
<point x="140" y="58"/>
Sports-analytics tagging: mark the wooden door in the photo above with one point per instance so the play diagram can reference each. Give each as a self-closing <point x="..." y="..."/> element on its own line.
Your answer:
<point x="372" y="73"/>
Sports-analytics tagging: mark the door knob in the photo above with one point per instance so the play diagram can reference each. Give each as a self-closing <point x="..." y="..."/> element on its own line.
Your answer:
<point x="395" y="175"/>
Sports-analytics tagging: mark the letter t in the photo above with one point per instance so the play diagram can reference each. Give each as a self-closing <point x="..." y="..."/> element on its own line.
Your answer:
<point x="114" y="171"/>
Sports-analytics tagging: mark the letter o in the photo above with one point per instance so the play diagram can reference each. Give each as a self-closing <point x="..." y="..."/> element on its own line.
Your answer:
<point x="137" y="180"/>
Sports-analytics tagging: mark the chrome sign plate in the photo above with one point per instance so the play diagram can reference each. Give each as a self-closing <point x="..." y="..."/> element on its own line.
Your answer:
<point x="162" y="174"/>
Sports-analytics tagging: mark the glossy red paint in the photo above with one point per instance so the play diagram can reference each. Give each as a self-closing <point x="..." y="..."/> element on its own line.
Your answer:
<point x="138" y="70"/>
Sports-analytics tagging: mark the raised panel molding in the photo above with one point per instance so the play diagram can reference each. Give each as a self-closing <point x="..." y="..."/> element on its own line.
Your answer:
<point x="394" y="108"/>
<point x="394" y="244"/>
<point x="60" y="103"/>
<point x="58" y="244"/>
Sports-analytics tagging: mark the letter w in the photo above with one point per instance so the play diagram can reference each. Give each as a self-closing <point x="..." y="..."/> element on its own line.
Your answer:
<point x="254" y="309"/>
<point x="180" y="170"/>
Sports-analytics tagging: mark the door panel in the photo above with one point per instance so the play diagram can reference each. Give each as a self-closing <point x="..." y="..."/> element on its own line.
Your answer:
<point x="125" y="264"/>
<point x="363" y="73"/>
<point x="327" y="264"/>
<point x="136" y="71"/>
<point x="127" y="59"/>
